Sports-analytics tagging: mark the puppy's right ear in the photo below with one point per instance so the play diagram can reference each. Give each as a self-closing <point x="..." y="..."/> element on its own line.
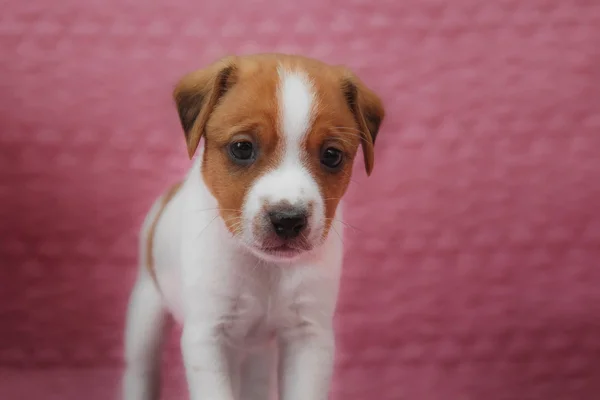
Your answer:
<point x="197" y="94"/>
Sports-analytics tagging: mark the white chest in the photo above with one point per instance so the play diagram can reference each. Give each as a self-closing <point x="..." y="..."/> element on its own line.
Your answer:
<point x="267" y="300"/>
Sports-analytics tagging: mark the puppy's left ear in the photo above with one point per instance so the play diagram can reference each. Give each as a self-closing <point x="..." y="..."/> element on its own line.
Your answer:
<point x="368" y="112"/>
<point x="197" y="94"/>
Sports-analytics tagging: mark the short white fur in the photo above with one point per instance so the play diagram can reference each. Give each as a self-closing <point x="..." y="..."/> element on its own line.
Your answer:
<point x="296" y="104"/>
<point x="240" y="313"/>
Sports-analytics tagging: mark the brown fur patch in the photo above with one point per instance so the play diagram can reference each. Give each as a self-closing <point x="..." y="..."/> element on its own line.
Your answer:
<point x="169" y="194"/>
<point x="248" y="110"/>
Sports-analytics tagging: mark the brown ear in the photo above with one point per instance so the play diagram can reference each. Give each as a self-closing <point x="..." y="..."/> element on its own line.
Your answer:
<point x="369" y="113"/>
<point x="196" y="95"/>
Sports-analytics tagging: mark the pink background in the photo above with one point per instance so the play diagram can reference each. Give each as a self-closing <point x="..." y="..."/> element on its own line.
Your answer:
<point x="474" y="269"/>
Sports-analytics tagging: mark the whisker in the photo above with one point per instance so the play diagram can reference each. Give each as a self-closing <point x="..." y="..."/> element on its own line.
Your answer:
<point x="348" y="128"/>
<point x="255" y="267"/>
<point x="361" y="136"/>
<point x="350" y="226"/>
<point x="304" y="237"/>
<point x="338" y="234"/>
<point x="349" y="131"/>
<point x="344" y="141"/>
<point x="346" y="224"/>
<point x="350" y="178"/>
<point x="236" y="226"/>
<point x="237" y="230"/>
<point x="203" y="229"/>
<point x="235" y="218"/>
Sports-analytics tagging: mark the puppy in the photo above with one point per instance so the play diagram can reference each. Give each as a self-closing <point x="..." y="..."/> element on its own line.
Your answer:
<point x="246" y="251"/>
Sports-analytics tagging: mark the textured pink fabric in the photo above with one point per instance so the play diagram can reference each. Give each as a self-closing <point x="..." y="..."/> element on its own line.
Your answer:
<point x="473" y="271"/>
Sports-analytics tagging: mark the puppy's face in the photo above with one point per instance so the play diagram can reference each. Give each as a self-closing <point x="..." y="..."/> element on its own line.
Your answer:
<point x="281" y="133"/>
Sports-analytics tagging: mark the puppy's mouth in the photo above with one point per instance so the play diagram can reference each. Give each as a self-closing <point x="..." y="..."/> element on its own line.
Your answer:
<point x="283" y="251"/>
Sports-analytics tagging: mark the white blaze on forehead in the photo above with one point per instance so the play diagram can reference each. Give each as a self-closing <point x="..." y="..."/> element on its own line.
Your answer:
<point x="290" y="180"/>
<point x="296" y="101"/>
<point x="296" y="105"/>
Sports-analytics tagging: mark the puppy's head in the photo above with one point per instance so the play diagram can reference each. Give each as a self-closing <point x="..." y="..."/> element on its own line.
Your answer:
<point x="281" y="133"/>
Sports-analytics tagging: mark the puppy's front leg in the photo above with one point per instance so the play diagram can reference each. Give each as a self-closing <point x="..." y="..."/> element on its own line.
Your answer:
<point x="306" y="364"/>
<point x="208" y="363"/>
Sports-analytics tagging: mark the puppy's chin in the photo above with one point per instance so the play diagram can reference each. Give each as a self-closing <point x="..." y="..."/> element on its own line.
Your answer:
<point x="276" y="252"/>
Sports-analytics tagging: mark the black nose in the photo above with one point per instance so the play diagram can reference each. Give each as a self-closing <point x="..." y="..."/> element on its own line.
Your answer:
<point x="288" y="224"/>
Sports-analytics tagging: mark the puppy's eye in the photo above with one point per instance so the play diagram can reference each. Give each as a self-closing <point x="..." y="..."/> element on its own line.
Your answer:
<point x="332" y="158"/>
<point x="242" y="151"/>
